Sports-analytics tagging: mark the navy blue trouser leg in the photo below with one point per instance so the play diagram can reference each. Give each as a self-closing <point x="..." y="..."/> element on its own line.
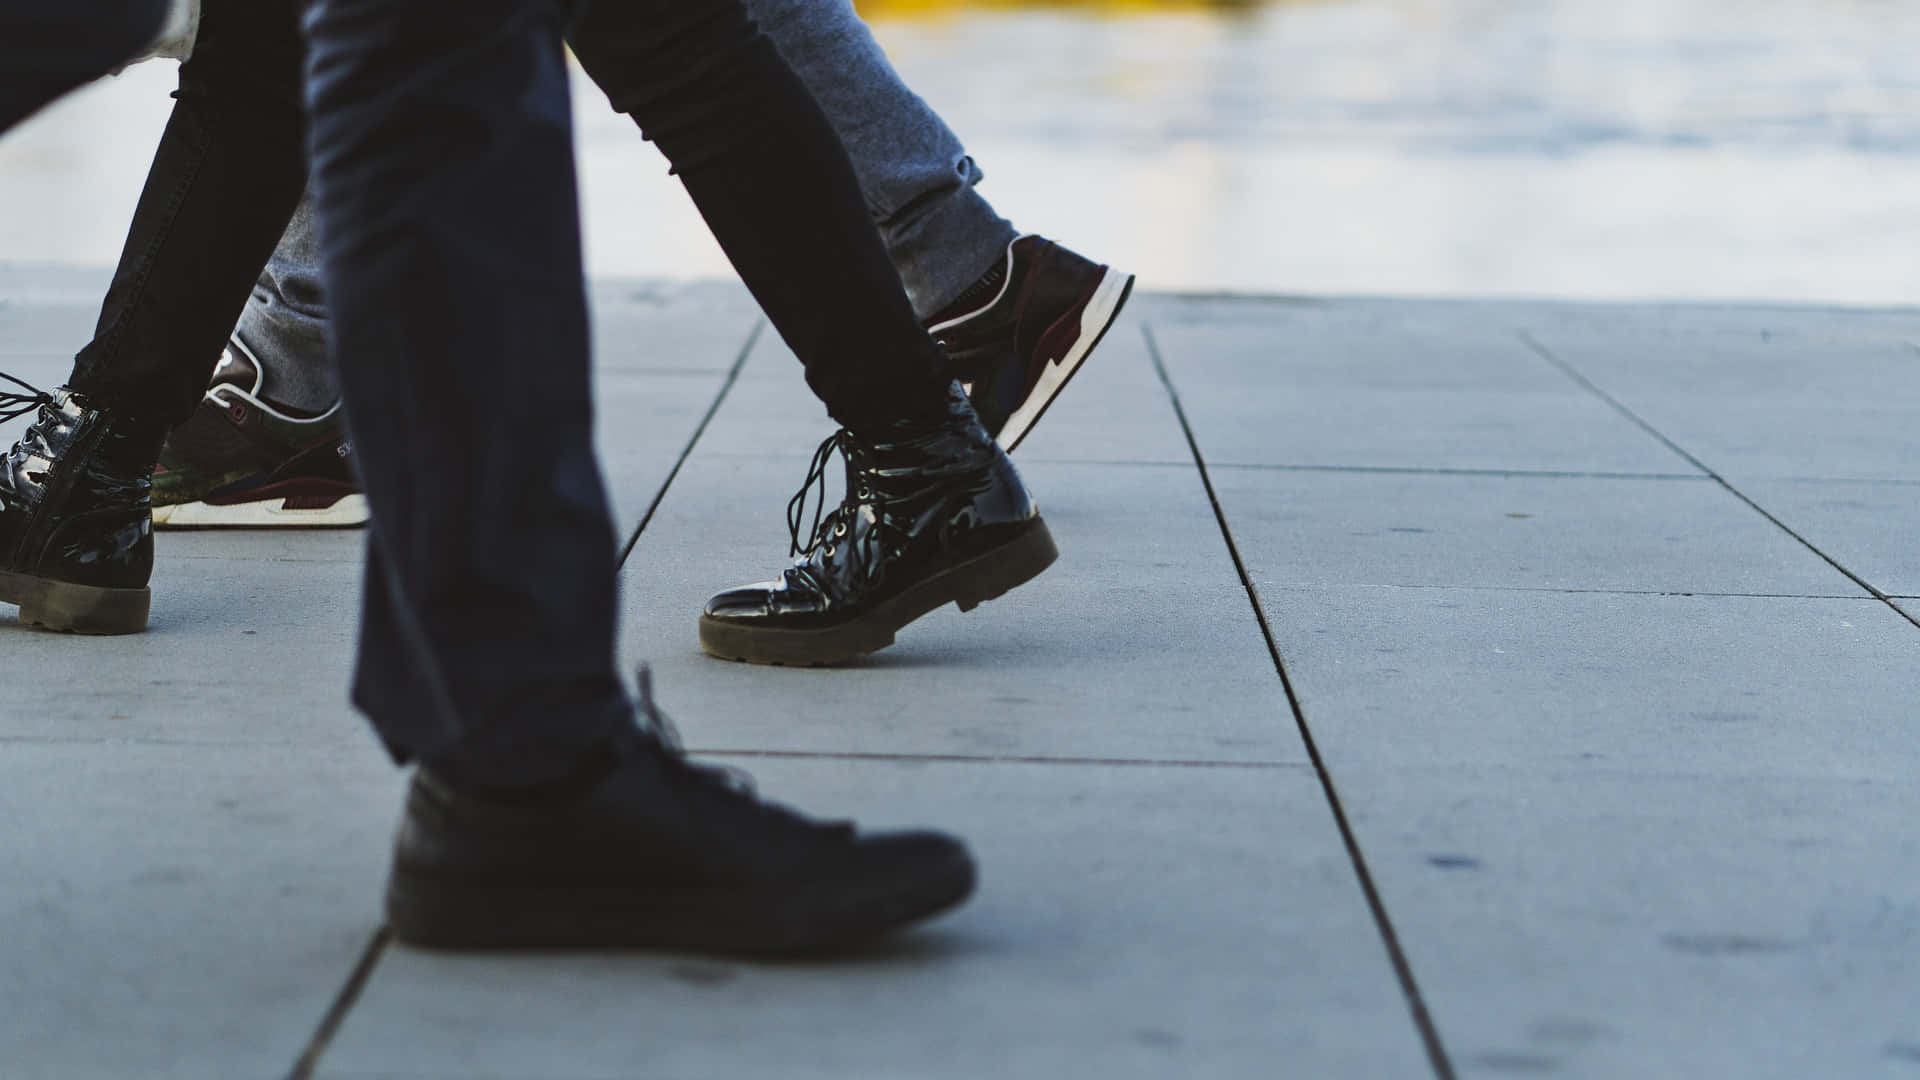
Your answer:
<point x="443" y="177"/>
<point x="48" y="47"/>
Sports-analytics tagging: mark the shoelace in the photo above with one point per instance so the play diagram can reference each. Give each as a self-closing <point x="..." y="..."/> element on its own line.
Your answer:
<point x="841" y="441"/>
<point x="654" y="724"/>
<point x="14" y="406"/>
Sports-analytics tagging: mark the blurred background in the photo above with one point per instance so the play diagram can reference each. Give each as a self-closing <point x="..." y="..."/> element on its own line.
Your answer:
<point x="1605" y="149"/>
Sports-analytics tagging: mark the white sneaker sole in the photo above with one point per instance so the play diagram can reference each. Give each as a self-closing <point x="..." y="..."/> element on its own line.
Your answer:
<point x="1095" y="319"/>
<point x="348" y="512"/>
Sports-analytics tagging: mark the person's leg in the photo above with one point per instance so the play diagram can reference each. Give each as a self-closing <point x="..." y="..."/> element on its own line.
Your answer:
<point x="1017" y="315"/>
<point x="542" y="815"/>
<point x="48" y="48"/>
<point x="450" y="248"/>
<point x="267" y="447"/>
<point x="918" y="181"/>
<point x="766" y="171"/>
<point x="934" y="512"/>
<point x="284" y="323"/>
<point x="74" y="502"/>
<point x="225" y="178"/>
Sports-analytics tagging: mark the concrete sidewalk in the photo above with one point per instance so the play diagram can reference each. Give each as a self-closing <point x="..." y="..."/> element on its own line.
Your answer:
<point x="1479" y="689"/>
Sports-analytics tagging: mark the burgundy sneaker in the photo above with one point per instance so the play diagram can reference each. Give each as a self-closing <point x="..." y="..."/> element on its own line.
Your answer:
<point x="242" y="462"/>
<point x="1015" y="346"/>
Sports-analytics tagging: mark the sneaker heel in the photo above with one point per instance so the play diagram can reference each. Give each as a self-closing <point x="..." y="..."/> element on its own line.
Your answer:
<point x="87" y="609"/>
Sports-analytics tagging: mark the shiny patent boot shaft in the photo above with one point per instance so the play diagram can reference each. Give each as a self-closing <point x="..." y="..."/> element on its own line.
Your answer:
<point x="934" y="514"/>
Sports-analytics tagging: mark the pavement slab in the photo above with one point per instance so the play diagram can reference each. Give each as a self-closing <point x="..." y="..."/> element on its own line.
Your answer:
<point x="1356" y="386"/>
<point x="1871" y="528"/>
<point x="1630" y="835"/>
<point x="184" y="910"/>
<point x="1514" y="531"/>
<point x="1744" y="398"/>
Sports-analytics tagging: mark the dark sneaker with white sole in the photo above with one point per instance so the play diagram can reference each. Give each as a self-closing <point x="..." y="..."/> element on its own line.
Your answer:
<point x="76" y="539"/>
<point x="1015" y="346"/>
<point x="242" y="462"/>
<point x="650" y="850"/>
<point x="934" y="514"/>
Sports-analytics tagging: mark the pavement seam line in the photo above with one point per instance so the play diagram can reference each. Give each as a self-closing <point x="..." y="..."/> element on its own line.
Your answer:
<point x="985" y="759"/>
<point x="1403" y="970"/>
<point x="1408" y="470"/>
<point x="1620" y="407"/>
<point x="726" y="387"/>
<point x="343" y="1003"/>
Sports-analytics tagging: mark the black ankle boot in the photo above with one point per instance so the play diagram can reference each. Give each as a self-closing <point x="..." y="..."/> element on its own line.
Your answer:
<point x="76" y="527"/>
<point x="657" y="852"/>
<point x="934" y="513"/>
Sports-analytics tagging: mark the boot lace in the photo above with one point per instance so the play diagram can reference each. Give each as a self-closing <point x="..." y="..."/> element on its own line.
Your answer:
<point x="653" y="724"/>
<point x="885" y="536"/>
<point x="15" y="405"/>
<point x="824" y="523"/>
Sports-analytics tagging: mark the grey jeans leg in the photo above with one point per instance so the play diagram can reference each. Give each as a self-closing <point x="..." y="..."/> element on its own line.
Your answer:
<point x="285" y="320"/>
<point x="917" y="179"/>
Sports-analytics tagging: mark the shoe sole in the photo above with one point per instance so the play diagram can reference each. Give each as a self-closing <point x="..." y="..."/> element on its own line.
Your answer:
<point x="348" y="513"/>
<point x="75" y="609"/>
<point x="1095" y="320"/>
<point x="785" y="917"/>
<point x="982" y="578"/>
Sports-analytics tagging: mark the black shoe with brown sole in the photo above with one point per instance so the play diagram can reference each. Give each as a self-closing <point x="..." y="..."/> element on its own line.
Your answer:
<point x="933" y="514"/>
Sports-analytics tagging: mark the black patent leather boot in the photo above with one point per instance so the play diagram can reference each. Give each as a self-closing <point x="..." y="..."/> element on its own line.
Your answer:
<point x="76" y="526"/>
<point x="933" y="514"/>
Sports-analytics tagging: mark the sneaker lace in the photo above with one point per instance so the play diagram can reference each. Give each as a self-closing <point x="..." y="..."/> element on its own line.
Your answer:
<point x="14" y="405"/>
<point x="654" y="724"/>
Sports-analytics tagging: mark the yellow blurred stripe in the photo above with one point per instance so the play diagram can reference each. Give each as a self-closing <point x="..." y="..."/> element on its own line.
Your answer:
<point x="913" y="8"/>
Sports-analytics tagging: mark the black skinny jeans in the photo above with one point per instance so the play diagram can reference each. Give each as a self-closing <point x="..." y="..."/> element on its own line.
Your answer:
<point x="752" y="147"/>
<point x="226" y="177"/>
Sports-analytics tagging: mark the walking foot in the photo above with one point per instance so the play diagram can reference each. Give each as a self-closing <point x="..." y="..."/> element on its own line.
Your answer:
<point x="933" y="514"/>
<point x="1016" y="343"/>
<point x="76" y="535"/>
<point x="656" y="852"/>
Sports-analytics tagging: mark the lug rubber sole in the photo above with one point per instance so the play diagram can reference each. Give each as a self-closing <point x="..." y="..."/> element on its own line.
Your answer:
<point x="790" y="917"/>
<point x="349" y="512"/>
<point x="76" y="609"/>
<point x="984" y="577"/>
<point x="1095" y="320"/>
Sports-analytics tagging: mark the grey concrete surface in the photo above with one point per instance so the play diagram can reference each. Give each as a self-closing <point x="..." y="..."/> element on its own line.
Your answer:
<point x="1592" y="734"/>
<point x="1111" y="938"/>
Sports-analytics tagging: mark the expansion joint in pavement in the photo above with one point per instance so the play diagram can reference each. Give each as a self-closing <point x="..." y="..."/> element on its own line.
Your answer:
<point x="1403" y="970"/>
<point x="1640" y="422"/>
<point x="726" y="387"/>
<point x="343" y="1004"/>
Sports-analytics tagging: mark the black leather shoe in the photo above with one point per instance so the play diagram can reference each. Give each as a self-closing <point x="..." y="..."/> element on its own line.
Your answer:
<point x="659" y="853"/>
<point x="933" y="514"/>
<point x="76" y="529"/>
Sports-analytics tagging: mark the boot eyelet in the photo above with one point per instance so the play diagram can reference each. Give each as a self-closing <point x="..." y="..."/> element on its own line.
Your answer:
<point x="829" y="551"/>
<point x="238" y="411"/>
<point x="840" y="529"/>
